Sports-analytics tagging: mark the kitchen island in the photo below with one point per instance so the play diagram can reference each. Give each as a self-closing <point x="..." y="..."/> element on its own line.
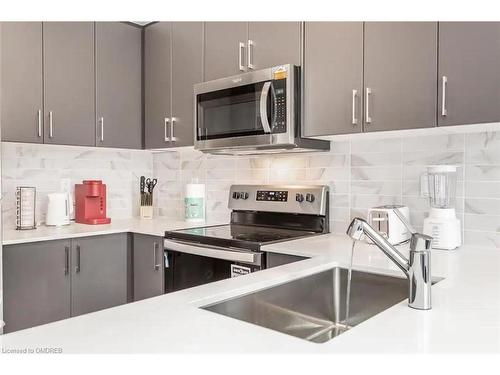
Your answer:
<point x="465" y="316"/>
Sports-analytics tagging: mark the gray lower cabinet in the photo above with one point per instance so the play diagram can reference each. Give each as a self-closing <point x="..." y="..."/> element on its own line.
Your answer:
<point x="53" y="280"/>
<point x="157" y="84"/>
<point x="225" y="49"/>
<point x="273" y="43"/>
<point x="69" y="92"/>
<point x="118" y="48"/>
<point x="98" y="273"/>
<point x="36" y="283"/>
<point x="400" y="73"/>
<point x="21" y="82"/>
<point x="333" y="78"/>
<point x="148" y="266"/>
<point x="276" y="259"/>
<point x="469" y="73"/>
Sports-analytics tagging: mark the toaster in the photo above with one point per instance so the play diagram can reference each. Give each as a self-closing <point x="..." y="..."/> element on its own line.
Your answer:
<point x="385" y="221"/>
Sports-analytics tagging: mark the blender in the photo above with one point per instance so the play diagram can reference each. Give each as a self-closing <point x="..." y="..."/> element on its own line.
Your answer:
<point x="442" y="223"/>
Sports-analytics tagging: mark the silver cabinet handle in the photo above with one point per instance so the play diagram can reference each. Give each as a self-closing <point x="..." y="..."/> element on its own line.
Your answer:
<point x="66" y="260"/>
<point x="241" y="48"/>
<point x="368" y="119"/>
<point x="51" y="127"/>
<point x="354" y="96"/>
<point x="165" y="129"/>
<point x="156" y="265"/>
<point x="78" y="267"/>
<point x="250" y="54"/>
<point x="444" y="111"/>
<point x="172" y="122"/>
<point x="101" y="121"/>
<point x="39" y="123"/>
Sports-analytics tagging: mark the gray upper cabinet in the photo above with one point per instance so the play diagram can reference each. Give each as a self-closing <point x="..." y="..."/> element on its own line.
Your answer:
<point x="157" y="75"/>
<point x="225" y="49"/>
<point x="98" y="273"/>
<point x="400" y="74"/>
<point x="118" y="49"/>
<point x="469" y="72"/>
<point x="36" y="285"/>
<point x="273" y="43"/>
<point x="21" y="77"/>
<point x="187" y="70"/>
<point x="148" y="266"/>
<point x="333" y="78"/>
<point x="69" y="92"/>
<point x="173" y="64"/>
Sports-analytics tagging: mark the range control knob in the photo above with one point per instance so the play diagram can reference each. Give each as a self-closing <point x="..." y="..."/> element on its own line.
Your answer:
<point x="236" y="195"/>
<point x="310" y="198"/>
<point x="244" y="195"/>
<point x="299" y="197"/>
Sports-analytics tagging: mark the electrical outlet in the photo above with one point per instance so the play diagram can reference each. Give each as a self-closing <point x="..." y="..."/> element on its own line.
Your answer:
<point x="65" y="185"/>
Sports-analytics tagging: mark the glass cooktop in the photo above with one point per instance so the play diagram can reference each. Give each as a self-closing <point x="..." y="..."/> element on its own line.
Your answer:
<point x="257" y="235"/>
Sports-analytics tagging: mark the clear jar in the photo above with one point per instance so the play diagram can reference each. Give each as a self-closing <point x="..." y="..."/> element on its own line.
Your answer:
<point x="442" y="185"/>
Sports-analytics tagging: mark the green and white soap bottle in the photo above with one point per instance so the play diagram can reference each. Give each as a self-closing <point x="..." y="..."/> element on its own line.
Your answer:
<point x="194" y="202"/>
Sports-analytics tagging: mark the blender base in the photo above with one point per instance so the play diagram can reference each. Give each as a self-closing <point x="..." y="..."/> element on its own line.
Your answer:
<point x="444" y="228"/>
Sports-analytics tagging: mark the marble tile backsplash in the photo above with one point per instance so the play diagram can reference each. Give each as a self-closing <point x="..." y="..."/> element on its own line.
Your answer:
<point x="361" y="173"/>
<point x="43" y="166"/>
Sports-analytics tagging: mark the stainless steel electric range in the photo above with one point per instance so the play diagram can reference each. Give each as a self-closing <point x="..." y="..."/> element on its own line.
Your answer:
<point x="261" y="215"/>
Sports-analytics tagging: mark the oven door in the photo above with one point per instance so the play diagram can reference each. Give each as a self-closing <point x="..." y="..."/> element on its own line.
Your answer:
<point x="251" y="110"/>
<point x="188" y="265"/>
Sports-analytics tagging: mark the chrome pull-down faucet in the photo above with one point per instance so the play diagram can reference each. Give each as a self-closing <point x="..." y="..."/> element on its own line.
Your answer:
<point x="417" y="269"/>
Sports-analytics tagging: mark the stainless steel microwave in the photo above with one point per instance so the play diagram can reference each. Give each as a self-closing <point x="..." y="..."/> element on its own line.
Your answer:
<point x="252" y="113"/>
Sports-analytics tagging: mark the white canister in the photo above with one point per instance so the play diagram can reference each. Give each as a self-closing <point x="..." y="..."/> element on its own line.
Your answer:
<point x="194" y="202"/>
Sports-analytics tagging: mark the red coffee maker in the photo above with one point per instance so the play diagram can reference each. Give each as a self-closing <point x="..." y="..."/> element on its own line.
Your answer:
<point x="90" y="203"/>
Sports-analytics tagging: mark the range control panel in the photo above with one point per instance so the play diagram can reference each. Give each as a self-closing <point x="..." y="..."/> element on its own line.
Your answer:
<point x="309" y="199"/>
<point x="272" y="195"/>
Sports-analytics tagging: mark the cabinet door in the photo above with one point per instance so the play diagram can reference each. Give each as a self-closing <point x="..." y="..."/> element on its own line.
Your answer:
<point x="69" y="92"/>
<point x="273" y="43"/>
<point x="157" y="83"/>
<point x="22" y="110"/>
<point x="118" y="85"/>
<point x="223" y="55"/>
<point x="187" y="66"/>
<point x="400" y="69"/>
<point x="469" y="59"/>
<point x="276" y="259"/>
<point x="36" y="283"/>
<point x="148" y="266"/>
<point x="98" y="273"/>
<point x="333" y="78"/>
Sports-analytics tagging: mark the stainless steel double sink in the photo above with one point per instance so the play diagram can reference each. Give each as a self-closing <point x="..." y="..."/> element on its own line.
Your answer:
<point x="314" y="307"/>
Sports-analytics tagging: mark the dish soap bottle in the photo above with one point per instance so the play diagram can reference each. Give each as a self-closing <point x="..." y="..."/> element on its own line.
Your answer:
<point x="194" y="202"/>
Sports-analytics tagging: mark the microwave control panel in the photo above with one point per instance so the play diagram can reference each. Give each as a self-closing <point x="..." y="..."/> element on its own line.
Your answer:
<point x="279" y="86"/>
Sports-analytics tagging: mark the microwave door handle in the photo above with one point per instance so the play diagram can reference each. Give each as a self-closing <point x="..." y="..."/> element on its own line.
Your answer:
<point x="263" y="107"/>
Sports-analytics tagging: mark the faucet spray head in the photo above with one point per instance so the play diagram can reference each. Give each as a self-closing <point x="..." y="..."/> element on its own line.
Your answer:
<point x="355" y="230"/>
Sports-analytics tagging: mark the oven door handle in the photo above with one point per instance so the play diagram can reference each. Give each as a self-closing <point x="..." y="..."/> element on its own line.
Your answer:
<point x="210" y="251"/>
<point x="263" y="107"/>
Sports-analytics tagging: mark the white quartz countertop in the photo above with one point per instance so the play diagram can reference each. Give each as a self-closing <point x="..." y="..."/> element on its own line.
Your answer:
<point x="465" y="315"/>
<point x="153" y="227"/>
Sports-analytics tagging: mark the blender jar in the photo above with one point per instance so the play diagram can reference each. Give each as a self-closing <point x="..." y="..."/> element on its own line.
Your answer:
<point x="442" y="185"/>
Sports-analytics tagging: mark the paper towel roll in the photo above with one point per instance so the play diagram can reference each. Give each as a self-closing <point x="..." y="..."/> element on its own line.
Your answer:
<point x="194" y="202"/>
